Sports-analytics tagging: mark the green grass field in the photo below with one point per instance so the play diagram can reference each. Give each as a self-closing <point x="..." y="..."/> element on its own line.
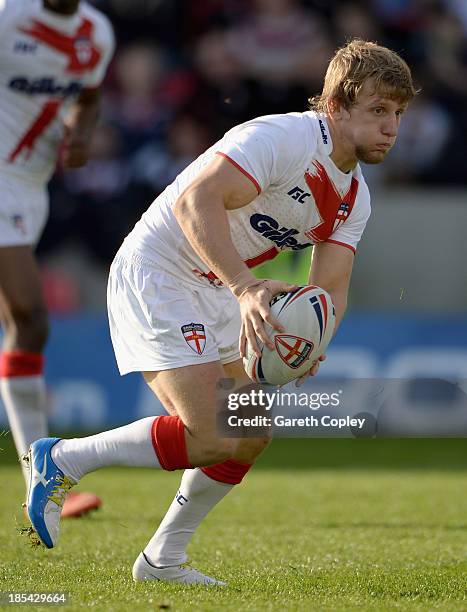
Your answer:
<point x="318" y="525"/>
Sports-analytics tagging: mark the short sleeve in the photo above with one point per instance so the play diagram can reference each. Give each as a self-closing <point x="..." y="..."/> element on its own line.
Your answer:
<point x="267" y="149"/>
<point x="105" y="41"/>
<point x="350" y="232"/>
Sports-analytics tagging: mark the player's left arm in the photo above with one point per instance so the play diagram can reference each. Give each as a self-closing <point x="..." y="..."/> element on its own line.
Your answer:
<point x="79" y="125"/>
<point x="332" y="261"/>
<point x="331" y="269"/>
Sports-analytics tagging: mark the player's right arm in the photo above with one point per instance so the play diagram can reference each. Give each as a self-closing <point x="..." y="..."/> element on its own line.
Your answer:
<point x="201" y="213"/>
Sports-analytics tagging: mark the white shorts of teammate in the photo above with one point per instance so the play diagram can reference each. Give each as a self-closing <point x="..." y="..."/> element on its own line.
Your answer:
<point x="157" y="323"/>
<point x="23" y="211"/>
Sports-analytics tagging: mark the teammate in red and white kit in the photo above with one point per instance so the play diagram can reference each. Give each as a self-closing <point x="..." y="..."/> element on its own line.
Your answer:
<point x="53" y="57"/>
<point x="181" y="293"/>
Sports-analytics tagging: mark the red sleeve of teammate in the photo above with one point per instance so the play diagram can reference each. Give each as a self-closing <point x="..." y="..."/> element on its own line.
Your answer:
<point x="104" y="39"/>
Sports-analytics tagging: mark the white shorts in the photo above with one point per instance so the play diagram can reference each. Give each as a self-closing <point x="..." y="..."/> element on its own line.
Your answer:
<point x="23" y="210"/>
<point x="157" y="323"/>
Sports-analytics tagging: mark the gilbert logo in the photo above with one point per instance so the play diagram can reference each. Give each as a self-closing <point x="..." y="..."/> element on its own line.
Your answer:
<point x="272" y="230"/>
<point x="324" y="135"/>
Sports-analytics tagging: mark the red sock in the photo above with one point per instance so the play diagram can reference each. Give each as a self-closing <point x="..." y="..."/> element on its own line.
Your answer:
<point x="168" y="439"/>
<point x="229" y="472"/>
<point x="21" y="363"/>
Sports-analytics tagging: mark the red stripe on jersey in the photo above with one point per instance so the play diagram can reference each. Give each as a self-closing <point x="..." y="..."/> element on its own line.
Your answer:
<point x="21" y="363"/>
<point x="45" y="118"/>
<point x="328" y="202"/>
<point x="79" y="48"/>
<point x="259" y="259"/>
<point x="251" y="263"/>
<point x="344" y="244"/>
<point x="242" y="170"/>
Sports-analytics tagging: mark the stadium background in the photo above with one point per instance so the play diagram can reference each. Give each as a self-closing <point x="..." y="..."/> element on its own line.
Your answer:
<point x="184" y="72"/>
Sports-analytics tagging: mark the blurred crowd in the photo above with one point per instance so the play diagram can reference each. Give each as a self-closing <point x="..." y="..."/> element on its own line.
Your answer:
<point x="186" y="71"/>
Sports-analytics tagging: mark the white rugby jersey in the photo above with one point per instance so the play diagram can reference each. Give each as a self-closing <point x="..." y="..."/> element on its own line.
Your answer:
<point x="46" y="59"/>
<point x="303" y="198"/>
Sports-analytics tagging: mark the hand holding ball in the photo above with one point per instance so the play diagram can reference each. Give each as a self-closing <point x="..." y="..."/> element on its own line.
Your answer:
<point x="308" y="318"/>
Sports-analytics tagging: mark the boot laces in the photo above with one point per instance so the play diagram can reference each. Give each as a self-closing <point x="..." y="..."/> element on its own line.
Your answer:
<point x="58" y="493"/>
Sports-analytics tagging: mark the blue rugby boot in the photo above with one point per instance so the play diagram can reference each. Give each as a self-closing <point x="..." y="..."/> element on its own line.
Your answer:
<point x="48" y="486"/>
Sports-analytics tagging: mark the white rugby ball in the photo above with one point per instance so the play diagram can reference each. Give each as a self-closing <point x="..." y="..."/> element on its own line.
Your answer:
<point x="308" y="318"/>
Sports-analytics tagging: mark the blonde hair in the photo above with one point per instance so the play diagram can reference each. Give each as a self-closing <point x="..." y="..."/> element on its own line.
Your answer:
<point x="355" y="63"/>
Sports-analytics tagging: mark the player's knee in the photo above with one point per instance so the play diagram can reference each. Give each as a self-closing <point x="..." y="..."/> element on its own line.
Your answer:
<point x="216" y="450"/>
<point x="249" y="449"/>
<point x="254" y="445"/>
<point x="29" y="323"/>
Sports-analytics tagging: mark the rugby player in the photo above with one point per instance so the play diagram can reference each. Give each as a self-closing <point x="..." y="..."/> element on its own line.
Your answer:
<point x="183" y="302"/>
<point x="54" y="54"/>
